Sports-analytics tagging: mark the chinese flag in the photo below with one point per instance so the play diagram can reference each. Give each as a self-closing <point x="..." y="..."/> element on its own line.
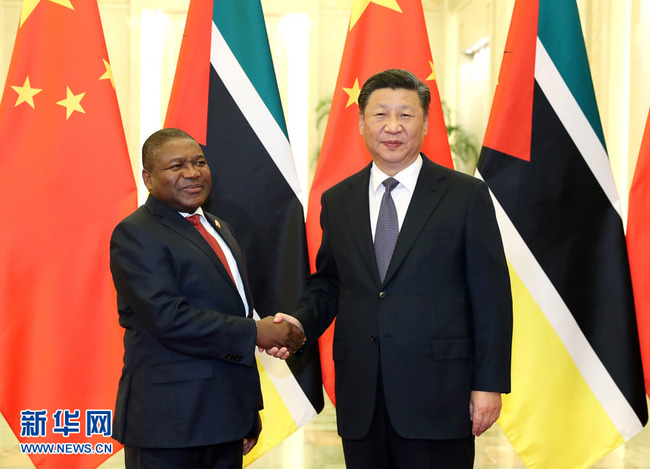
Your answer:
<point x="638" y="247"/>
<point x="370" y="47"/>
<point x="68" y="181"/>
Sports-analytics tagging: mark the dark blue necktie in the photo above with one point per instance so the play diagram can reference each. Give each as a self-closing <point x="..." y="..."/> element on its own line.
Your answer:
<point x="387" y="229"/>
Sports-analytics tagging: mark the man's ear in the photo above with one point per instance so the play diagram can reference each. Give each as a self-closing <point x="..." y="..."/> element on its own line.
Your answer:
<point x="146" y="177"/>
<point x="360" y="122"/>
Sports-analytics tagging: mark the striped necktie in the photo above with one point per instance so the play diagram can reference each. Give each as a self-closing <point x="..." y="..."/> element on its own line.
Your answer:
<point x="387" y="229"/>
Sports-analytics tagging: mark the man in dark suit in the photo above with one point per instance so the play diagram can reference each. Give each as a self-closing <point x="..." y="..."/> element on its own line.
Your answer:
<point x="414" y="271"/>
<point x="189" y="394"/>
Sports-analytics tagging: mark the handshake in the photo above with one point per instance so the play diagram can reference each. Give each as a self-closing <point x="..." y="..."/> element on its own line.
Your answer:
<point x="280" y="336"/>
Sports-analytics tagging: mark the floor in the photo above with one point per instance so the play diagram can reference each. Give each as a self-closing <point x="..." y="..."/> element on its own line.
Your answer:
<point x="317" y="446"/>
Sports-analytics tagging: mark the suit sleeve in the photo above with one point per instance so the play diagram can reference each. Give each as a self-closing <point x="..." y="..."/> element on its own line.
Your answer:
<point x="169" y="296"/>
<point x="319" y="303"/>
<point x="490" y="295"/>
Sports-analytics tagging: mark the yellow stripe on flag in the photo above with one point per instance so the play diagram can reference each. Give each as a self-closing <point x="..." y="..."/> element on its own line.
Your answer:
<point x="552" y="417"/>
<point x="277" y="423"/>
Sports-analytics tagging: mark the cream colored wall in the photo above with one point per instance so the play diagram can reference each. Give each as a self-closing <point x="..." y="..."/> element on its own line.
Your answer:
<point x="615" y="33"/>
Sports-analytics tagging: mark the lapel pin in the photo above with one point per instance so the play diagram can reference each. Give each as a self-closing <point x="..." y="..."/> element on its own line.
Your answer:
<point x="216" y="222"/>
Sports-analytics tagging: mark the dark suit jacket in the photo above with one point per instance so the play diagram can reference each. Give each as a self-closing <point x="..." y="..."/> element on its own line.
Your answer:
<point x="439" y="326"/>
<point x="190" y="376"/>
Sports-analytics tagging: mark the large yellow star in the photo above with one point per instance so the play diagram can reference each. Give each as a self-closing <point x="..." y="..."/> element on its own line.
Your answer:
<point x="30" y="5"/>
<point x="108" y="74"/>
<point x="72" y="103"/>
<point x="359" y="7"/>
<point x="353" y="93"/>
<point x="26" y="93"/>
<point x="433" y="72"/>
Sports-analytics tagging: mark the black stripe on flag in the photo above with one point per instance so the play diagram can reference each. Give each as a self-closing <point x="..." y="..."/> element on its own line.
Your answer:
<point x="251" y="194"/>
<point x="576" y="235"/>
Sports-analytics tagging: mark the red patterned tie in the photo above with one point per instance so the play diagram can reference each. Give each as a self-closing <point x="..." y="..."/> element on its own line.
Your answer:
<point x="196" y="221"/>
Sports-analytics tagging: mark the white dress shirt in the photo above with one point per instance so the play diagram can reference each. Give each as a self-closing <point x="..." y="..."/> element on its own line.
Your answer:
<point x="401" y="194"/>
<point x="232" y="263"/>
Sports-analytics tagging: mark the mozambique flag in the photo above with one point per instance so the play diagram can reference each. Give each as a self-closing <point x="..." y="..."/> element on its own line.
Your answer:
<point x="70" y="182"/>
<point x="369" y="49"/>
<point x="638" y="247"/>
<point x="225" y="95"/>
<point x="577" y="384"/>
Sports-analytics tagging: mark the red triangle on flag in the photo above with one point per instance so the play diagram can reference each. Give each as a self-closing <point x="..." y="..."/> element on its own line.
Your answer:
<point x="638" y="247"/>
<point x="510" y="124"/>
<point x="192" y="80"/>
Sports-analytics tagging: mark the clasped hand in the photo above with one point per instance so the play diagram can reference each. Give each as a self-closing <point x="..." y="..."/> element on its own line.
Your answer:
<point x="280" y="336"/>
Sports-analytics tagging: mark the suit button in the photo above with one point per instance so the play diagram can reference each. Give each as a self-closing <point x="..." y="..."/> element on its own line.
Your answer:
<point x="382" y="295"/>
<point x="373" y="339"/>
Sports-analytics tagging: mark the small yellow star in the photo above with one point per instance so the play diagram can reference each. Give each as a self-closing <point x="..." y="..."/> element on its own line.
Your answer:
<point x="433" y="72"/>
<point x="30" y="5"/>
<point x="359" y="7"/>
<point x="353" y="93"/>
<point x="72" y="103"/>
<point x="26" y="93"/>
<point x="108" y="74"/>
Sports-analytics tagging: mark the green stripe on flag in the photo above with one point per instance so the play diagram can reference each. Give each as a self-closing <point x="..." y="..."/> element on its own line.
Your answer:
<point x="565" y="45"/>
<point x="232" y="17"/>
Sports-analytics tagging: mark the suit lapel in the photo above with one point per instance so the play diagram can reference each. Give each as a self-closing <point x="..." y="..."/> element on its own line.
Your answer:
<point x="229" y="239"/>
<point x="358" y="211"/>
<point x="429" y="191"/>
<point x="175" y="221"/>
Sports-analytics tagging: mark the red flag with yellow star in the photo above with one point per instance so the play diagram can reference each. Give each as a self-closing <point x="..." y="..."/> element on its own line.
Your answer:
<point x="68" y="182"/>
<point x="370" y="49"/>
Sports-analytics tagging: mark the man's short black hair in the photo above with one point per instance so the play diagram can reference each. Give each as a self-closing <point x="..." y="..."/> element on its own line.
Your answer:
<point x="395" y="79"/>
<point x="158" y="139"/>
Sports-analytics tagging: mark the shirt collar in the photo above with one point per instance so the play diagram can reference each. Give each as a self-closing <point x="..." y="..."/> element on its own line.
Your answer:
<point x="407" y="177"/>
<point x="198" y="211"/>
